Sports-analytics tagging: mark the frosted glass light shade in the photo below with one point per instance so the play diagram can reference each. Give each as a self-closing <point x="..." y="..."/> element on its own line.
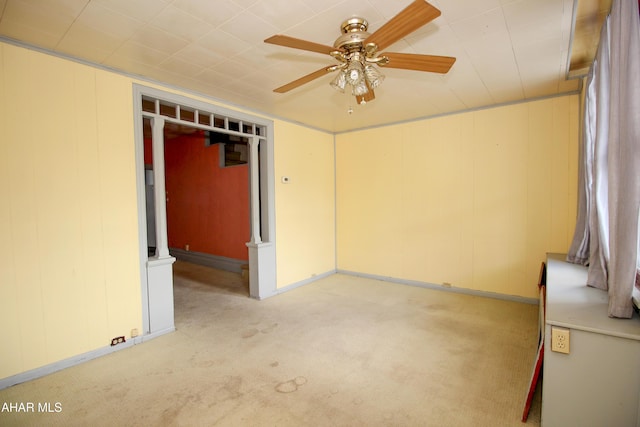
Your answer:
<point x="373" y="76"/>
<point x="354" y="73"/>
<point x="340" y="81"/>
<point x="360" y="89"/>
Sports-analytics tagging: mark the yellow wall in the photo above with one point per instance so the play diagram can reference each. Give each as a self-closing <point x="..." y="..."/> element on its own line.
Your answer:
<point x="474" y="199"/>
<point x="69" y="261"/>
<point x="69" y="272"/>
<point x="305" y="207"/>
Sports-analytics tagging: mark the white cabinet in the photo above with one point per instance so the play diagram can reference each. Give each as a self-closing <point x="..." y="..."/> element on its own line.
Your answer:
<point x="598" y="382"/>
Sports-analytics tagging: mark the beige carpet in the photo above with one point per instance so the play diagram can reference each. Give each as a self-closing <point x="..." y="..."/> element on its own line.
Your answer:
<point x="343" y="351"/>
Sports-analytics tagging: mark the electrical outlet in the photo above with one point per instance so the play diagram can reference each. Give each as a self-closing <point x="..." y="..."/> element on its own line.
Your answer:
<point x="560" y="340"/>
<point x="117" y="340"/>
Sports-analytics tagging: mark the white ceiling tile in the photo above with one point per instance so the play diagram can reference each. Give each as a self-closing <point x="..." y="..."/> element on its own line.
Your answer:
<point x="265" y="80"/>
<point x="95" y="49"/>
<point x="473" y="96"/>
<point x="250" y="28"/>
<point x="287" y="72"/>
<point x="242" y="86"/>
<point x="214" y="13"/>
<point x="181" y="23"/>
<point x="480" y="26"/>
<point x="537" y="71"/>
<point x="213" y="77"/>
<point x="284" y="71"/>
<point x="494" y="61"/>
<point x="464" y="81"/>
<point x="523" y="12"/>
<point x="444" y="99"/>
<point x="270" y="56"/>
<point x="532" y="34"/>
<point x="260" y="79"/>
<point x="85" y="42"/>
<point x="170" y="77"/>
<point x="389" y="9"/>
<point x="142" y="10"/>
<point x="182" y="67"/>
<point x="540" y="51"/>
<point x="282" y="13"/>
<point x="158" y="39"/>
<point x="130" y="65"/>
<point x="437" y="32"/>
<point x="489" y="47"/>
<point x="232" y="68"/>
<point x="438" y="40"/>
<point x="245" y="3"/>
<point x="527" y="26"/>
<point x="19" y="31"/>
<point x="454" y="11"/>
<point x="223" y="43"/>
<point x="199" y="55"/>
<point x="321" y="5"/>
<point x="106" y="21"/>
<point x="59" y="7"/>
<point x="139" y="54"/>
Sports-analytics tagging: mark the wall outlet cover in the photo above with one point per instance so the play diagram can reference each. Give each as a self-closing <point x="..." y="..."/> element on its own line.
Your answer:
<point x="117" y="340"/>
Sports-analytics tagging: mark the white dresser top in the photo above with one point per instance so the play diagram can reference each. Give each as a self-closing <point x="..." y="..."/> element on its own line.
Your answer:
<point x="573" y="304"/>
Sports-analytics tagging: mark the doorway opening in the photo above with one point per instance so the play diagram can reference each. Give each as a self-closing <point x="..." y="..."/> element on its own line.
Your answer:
<point x="163" y="111"/>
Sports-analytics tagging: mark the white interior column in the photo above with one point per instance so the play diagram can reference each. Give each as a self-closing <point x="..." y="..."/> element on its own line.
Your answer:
<point x="162" y="244"/>
<point x="254" y="177"/>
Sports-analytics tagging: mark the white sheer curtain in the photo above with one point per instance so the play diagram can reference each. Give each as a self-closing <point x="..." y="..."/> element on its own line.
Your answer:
<point x="606" y="237"/>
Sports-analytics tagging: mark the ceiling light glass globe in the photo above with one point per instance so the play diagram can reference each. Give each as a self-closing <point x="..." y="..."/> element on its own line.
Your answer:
<point x="373" y="76"/>
<point x="360" y="89"/>
<point x="340" y="81"/>
<point x="355" y="72"/>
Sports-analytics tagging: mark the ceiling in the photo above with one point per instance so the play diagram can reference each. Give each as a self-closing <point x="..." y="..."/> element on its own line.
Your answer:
<point x="506" y="50"/>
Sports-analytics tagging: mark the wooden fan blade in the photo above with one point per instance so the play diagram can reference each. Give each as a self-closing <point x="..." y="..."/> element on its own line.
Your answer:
<point x="410" y="61"/>
<point x="287" y="41"/>
<point x="302" y="80"/>
<point x="367" y="97"/>
<point x="414" y="16"/>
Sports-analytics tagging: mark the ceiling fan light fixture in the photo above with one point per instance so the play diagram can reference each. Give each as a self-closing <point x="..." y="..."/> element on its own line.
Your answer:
<point x="355" y="73"/>
<point x="360" y="89"/>
<point x="340" y="82"/>
<point x="357" y="52"/>
<point x="373" y="76"/>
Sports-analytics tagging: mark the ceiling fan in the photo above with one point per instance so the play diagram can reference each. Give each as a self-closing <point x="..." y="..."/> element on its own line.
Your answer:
<point x="357" y="52"/>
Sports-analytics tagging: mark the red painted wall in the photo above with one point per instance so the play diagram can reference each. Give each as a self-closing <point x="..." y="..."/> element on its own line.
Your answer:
<point x="207" y="206"/>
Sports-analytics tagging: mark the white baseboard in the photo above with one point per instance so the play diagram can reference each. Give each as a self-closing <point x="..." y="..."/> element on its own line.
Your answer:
<point x="434" y="286"/>
<point x="76" y="360"/>
<point x="302" y="283"/>
<point x="425" y="285"/>
<point x="214" y="261"/>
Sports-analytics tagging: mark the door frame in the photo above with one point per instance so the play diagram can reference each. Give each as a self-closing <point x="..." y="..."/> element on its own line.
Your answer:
<point x="156" y="272"/>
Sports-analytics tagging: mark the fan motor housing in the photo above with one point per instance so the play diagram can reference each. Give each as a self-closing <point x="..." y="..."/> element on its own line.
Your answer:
<point x="354" y="34"/>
